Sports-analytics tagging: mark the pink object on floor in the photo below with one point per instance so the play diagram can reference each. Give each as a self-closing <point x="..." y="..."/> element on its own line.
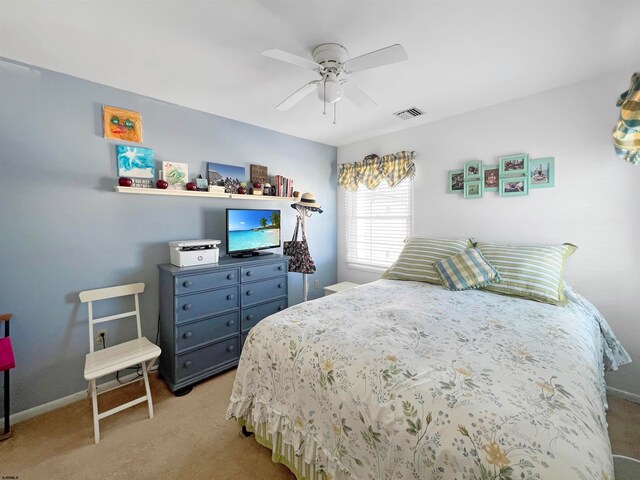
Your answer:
<point x="7" y="361"/>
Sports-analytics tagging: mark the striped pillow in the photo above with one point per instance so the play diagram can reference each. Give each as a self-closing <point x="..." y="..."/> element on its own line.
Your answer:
<point x="533" y="272"/>
<point x="418" y="258"/>
<point x="466" y="270"/>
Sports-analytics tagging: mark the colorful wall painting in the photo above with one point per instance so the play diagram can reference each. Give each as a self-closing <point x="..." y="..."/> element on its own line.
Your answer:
<point x="121" y="124"/>
<point x="135" y="162"/>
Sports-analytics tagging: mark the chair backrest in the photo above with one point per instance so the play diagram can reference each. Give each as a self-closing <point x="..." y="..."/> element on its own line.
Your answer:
<point x="90" y="296"/>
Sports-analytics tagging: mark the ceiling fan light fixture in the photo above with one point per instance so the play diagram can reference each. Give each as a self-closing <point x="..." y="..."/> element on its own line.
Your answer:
<point x="331" y="89"/>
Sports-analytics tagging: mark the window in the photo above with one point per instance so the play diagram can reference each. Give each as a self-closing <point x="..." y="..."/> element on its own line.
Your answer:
<point x="376" y="224"/>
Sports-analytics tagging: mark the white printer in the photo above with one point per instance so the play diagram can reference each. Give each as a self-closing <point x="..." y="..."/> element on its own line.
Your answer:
<point x="187" y="253"/>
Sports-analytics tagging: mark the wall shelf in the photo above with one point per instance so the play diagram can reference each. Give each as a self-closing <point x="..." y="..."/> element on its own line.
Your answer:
<point x="189" y="193"/>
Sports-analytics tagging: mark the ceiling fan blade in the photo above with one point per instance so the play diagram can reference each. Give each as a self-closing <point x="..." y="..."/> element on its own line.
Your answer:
<point x="298" y="95"/>
<point x="292" y="59"/>
<point x="357" y="96"/>
<point x="384" y="56"/>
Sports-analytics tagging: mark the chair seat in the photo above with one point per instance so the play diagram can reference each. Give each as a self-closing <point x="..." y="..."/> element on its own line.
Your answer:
<point x="119" y="357"/>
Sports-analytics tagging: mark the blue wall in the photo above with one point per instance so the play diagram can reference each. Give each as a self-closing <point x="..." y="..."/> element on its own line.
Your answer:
<point x="63" y="229"/>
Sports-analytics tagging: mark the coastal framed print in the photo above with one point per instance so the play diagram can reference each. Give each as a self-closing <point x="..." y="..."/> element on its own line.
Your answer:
<point x="473" y="189"/>
<point x="542" y="172"/>
<point x="514" y="186"/>
<point x="135" y="162"/>
<point x="490" y="177"/>
<point x="514" y="165"/>
<point x="230" y="177"/>
<point x="455" y="181"/>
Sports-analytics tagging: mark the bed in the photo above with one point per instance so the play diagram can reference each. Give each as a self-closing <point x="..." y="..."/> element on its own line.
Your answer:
<point x="403" y="379"/>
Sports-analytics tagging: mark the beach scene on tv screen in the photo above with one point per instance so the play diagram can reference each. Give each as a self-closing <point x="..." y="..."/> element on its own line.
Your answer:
<point x="251" y="229"/>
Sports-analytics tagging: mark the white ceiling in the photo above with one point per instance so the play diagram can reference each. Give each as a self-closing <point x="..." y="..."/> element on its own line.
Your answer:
<point x="463" y="55"/>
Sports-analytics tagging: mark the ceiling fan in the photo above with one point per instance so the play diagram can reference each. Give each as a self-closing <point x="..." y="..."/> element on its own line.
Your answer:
<point x="332" y="63"/>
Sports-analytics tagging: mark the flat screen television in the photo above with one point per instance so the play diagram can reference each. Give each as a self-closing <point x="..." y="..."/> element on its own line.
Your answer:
<point x="251" y="230"/>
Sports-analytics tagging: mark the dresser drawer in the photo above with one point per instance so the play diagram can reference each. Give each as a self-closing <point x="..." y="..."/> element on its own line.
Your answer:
<point x="205" y="331"/>
<point x="264" y="290"/>
<point x="196" y="361"/>
<point x="195" y="283"/>
<point x="252" y="273"/>
<point x="205" y="304"/>
<point x="252" y="315"/>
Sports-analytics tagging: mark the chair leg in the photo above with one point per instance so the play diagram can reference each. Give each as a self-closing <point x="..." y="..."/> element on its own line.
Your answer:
<point x="7" y="404"/>
<point x="96" y="421"/>
<point x="146" y="386"/>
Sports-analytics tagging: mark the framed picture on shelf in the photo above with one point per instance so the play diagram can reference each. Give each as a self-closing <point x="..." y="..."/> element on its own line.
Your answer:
<point x="455" y="181"/>
<point x="542" y="172"/>
<point x="135" y="162"/>
<point x="175" y="174"/>
<point x="490" y="177"/>
<point x="230" y="177"/>
<point x="472" y="170"/>
<point x="514" y="186"/>
<point x="473" y="189"/>
<point x="514" y="165"/>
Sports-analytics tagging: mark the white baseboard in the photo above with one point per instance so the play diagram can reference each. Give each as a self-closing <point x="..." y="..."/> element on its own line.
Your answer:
<point x="616" y="392"/>
<point x="74" y="397"/>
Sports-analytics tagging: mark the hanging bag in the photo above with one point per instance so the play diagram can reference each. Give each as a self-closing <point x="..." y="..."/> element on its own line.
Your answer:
<point x="298" y="250"/>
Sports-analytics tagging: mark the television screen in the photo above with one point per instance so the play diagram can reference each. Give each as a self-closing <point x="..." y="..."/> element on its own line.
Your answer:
<point x="249" y="230"/>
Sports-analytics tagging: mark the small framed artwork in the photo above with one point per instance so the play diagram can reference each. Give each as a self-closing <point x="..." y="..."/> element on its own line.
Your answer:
<point x="473" y="189"/>
<point x="490" y="175"/>
<point x="455" y="181"/>
<point x="514" y="165"/>
<point x="513" y="186"/>
<point x="136" y="162"/>
<point x="228" y="176"/>
<point x="472" y="170"/>
<point x="542" y="172"/>
<point x="175" y="174"/>
<point x="119" y="124"/>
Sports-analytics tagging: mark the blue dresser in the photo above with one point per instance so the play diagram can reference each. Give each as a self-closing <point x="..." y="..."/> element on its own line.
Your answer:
<point x="207" y="311"/>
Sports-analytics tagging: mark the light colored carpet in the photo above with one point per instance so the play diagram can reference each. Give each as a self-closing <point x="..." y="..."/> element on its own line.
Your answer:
<point x="187" y="439"/>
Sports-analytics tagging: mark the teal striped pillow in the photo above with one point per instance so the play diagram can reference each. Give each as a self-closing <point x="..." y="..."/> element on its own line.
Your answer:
<point x="466" y="270"/>
<point x="418" y="258"/>
<point x="534" y="272"/>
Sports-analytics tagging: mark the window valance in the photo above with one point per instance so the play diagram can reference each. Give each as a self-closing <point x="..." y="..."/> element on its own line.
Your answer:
<point x="372" y="170"/>
<point x="626" y="135"/>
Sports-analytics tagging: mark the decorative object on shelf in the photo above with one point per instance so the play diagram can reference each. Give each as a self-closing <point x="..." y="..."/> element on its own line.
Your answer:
<point x="162" y="184"/>
<point x="514" y="186"/>
<point x="135" y="162"/>
<point x="175" y="174"/>
<point x="298" y="250"/>
<point x="491" y="177"/>
<point x="229" y="176"/>
<point x="472" y="170"/>
<point x="514" y="165"/>
<point x="119" y="124"/>
<point x="542" y="172"/>
<point x="258" y="173"/>
<point x="241" y="190"/>
<point x="455" y="183"/>
<point x="142" y="183"/>
<point x="283" y="186"/>
<point x="191" y="186"/>
<point x="473" y="189"/>
<point x="125" y="182"/>
<point x="626" y="134"/>
<point x="257" y="188"/>
<point x="202" y="183"/>
<point x="266" y="189"/>
<point x="216" y="189"/>
<point x="393" y="168"/>
<point x="296" y="195"/>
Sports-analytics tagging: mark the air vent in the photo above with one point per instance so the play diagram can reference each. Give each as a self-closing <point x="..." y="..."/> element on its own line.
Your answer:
<point x="409" y="113"/>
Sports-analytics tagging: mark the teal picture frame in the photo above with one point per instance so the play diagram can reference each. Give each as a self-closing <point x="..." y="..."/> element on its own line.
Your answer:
<point x="514" y="186"/>
<point x="473" y="189"/>
<point x="455" y="181"/>
<point x="542" y="172"/>
<point x="490" y="178"/>
<point x="472" y="170"/>
<point x="514" y="165"/>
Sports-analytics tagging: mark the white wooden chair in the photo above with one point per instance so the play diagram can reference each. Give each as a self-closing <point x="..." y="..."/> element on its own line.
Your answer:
<point x="118" y="357"/>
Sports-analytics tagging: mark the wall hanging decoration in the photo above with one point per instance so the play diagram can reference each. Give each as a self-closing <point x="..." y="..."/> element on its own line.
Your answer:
<point x="513" y="186"/>
<point x="455" y="181"/>
<point x="490" y="175"/>
<point x="541" y="172"/>
<point x="258" y="174"/>
<point x="119" y="124"/>
<point x="514" y="165"/>
<point x="372" y="170"/>
<point x="135" y="162"/>
<point x="473" y="189"/>
<point x="231" y="177"/>
<point x="472" y="170"/>
<point x="175" y="174"/>
<point x="626" y="134"/>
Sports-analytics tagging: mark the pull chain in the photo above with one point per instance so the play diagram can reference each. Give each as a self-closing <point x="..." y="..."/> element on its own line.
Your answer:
<point x="324" y="95"/>
<point x="335" y="108"/>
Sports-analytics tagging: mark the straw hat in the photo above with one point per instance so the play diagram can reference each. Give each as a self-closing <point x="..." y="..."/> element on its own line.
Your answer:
<point x="307" y="200"/>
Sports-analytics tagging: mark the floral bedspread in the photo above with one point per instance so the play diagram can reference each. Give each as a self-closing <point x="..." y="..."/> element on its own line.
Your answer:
<point x="402" y="380"/>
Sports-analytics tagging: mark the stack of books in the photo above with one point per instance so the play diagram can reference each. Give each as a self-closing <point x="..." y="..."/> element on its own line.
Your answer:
<point x="284" y="186"/>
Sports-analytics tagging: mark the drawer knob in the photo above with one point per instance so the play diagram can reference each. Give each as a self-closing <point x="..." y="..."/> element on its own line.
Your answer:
<point x="230" y="296"/>
<point x="187" y="284"/>
<point x="250" y="317"/>
<point x="280" y="308"/>
<point x="249" y="273"/>
<point x="280" y="285"/>
<point x="230" y="322"/>
<point x="188" y="363"/>
<point x="230" y="348"/>
<point x="249" y="292"/>
<point x="280" y="268"/>
<point x="187" y="334"/>
<point x="186" y="306"/>
<point x="230" y="276"/>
